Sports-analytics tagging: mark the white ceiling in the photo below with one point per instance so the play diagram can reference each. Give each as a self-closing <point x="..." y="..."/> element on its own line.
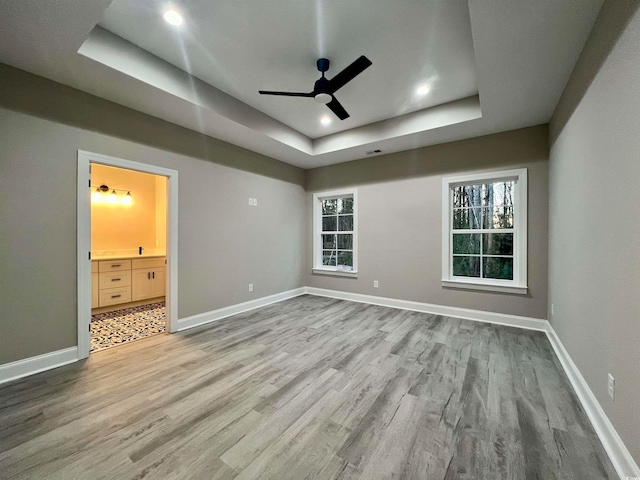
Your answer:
<point x="492" y="65"/>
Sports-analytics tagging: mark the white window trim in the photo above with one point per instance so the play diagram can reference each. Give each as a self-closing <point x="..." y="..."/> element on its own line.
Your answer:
<point x="519" y="283"/>
<point x="317" y="229"/>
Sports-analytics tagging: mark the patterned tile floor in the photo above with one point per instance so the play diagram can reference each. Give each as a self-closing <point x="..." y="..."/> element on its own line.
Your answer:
<point x="121" y="326"/>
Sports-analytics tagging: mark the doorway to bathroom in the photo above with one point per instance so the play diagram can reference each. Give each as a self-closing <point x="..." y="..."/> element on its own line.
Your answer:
<point x="128" y="255"/>
<point x="127" y="251"/>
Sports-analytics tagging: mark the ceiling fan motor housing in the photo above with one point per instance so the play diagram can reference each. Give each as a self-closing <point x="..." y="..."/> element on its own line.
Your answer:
<point x="323" y="64"/>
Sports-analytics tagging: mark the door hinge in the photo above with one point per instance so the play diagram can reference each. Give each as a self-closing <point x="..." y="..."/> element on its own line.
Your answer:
<point x="89" y="255"/>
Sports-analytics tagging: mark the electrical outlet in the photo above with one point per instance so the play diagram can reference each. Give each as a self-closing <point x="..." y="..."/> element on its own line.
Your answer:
<point x="255" y="202"/>
<point x="251" y="287"/>
<point x="250" y="202"/>
<point x="611" y="386"/>
<point x="375" y="284"/>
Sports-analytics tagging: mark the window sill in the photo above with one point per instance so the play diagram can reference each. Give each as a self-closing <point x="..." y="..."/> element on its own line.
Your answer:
<point x="336" y="273"/>
<point x="491" y="287"/>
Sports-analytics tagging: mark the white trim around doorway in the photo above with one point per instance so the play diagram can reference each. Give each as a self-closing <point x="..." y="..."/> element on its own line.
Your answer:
<point x="84" y="240"/>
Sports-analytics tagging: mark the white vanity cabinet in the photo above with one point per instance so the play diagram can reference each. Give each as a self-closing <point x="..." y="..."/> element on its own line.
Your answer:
<point x="125" y="280"/>
<point x="148" y="278"/>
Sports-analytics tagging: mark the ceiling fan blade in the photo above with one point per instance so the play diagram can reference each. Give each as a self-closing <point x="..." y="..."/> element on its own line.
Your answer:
<point x="285" y="94"/>
<point x="348" y="74"/>
<point x="338" y="109"/>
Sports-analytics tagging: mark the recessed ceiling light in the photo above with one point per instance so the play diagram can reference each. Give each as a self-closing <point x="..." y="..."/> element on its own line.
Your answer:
<point x="173" y="17"/>
<point x="423" y="89"/>
<point x="325" y="120"/>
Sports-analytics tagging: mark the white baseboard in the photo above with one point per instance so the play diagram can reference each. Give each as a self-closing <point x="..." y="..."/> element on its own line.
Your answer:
<point x="465" y="313"/>
<point x="29" y="366"/>
<point x="213" y="315"/>
<point x="613" y="444"/>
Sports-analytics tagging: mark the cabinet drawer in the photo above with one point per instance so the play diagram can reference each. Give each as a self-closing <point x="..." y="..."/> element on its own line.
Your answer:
<point x="113" y="296"/>
<point x="148" y="262"/>
<point x="114" y="265"/>
<point x="94" y="267"/>
<point x="115" y="279"/>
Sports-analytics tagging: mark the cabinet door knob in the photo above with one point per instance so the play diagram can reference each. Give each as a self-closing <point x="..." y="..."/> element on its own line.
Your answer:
<point x="116" y="279"/>
<point x="116" y="265"/>
<point x="153" y="275"/>
<point x="148" y="275"/>
<point x="116" y="296"/>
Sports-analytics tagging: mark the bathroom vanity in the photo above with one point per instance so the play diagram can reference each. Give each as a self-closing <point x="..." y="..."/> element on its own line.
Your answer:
<point x="126" y="279"/>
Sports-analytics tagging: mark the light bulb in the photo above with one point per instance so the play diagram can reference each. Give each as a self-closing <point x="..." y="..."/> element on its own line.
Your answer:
<point x="423" y="89"/>
<point x="112" y="198"/>
<point x="127" y="199"/>
<point x="173" y="17"/>
<point x="96" y="197"/>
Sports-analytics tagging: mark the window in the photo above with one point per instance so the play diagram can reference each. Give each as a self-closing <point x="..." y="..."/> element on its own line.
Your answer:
<point x="335" y="233"/>
<point x="484" y="238"/>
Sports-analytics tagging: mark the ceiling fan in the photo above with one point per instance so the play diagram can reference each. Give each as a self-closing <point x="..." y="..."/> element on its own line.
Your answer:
<point x="324" y="89"/>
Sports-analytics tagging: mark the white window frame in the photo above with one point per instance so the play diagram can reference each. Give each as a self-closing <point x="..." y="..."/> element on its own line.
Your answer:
<point x="519" y="283"/>
<point x="317" y="232"/>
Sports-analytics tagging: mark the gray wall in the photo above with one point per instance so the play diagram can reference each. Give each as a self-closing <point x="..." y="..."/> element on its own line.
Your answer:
<point x="400" y="219"/>
<point x="594" y="259"/>
<point x="224" y="244"/>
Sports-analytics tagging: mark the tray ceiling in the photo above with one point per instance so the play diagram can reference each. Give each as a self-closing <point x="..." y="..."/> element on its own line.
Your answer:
<point x="487" y="66"/>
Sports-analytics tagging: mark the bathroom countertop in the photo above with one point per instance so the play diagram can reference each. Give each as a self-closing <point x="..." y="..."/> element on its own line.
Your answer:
<point x="127" y="257"/>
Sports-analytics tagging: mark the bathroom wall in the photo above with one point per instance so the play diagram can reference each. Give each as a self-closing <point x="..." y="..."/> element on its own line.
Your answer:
<point x="161" y="214"/>
<point x="122" y="228"/>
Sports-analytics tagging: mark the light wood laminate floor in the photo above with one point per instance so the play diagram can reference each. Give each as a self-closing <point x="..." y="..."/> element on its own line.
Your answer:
<point x="310" y="388"/>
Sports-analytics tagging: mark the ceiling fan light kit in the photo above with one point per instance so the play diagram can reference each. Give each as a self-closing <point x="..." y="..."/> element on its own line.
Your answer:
<point x="323" y="98"/>
<point x="324" y="89"/>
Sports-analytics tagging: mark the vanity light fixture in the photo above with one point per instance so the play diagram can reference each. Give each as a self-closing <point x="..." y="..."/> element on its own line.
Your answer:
<point x="101" y="195"/>
<point x="96" y="197"/>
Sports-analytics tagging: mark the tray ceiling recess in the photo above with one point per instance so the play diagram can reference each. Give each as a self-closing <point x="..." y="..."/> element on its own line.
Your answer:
<point x="440" y="71"/>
